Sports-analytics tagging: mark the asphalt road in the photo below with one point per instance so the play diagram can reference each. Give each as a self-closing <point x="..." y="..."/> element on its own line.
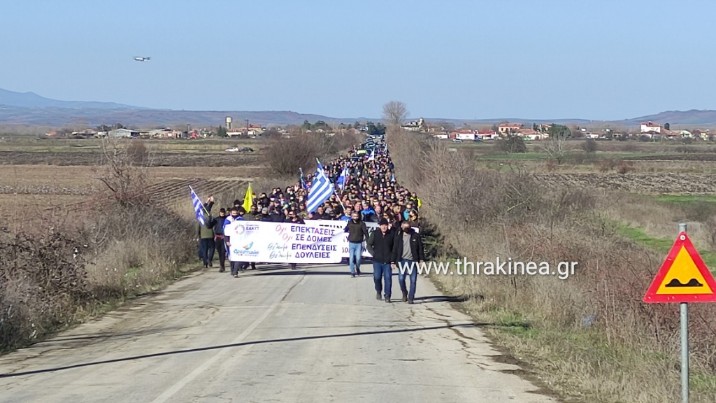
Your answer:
<point x="271" y="335"/>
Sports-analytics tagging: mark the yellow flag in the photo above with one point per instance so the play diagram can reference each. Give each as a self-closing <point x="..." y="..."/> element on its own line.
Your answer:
<point x="248" y="199"/>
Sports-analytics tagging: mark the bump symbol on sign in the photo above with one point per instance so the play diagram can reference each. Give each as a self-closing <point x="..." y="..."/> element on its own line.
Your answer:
<point x="684" y="276"/>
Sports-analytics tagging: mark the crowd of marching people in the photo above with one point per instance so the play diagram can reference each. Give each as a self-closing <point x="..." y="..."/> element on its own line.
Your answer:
<point x="357" y="188"/>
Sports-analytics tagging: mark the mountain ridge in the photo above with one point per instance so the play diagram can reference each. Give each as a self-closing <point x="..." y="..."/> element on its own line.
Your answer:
<point x="29" y="108"/>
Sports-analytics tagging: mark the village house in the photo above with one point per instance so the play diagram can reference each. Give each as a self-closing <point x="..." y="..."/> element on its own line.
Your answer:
<point x="649" y="127"/>
<point x="414" y="126"/>
<point x="506" y="128"/>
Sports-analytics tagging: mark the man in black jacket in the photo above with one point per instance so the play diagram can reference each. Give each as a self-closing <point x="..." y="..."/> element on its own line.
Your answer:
<point x="218" y="225"/>
<point x="357" y="233"/>
<point x="381" y="245"/>
<point x="408" y="250"/>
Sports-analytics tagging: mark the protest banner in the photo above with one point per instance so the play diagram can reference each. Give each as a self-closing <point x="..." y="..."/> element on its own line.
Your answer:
<point x="317" y="241"/>
<point x="270" y="242"/>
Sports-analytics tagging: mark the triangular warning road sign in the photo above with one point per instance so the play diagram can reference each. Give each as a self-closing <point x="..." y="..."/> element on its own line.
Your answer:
<point x="683" y="277"/>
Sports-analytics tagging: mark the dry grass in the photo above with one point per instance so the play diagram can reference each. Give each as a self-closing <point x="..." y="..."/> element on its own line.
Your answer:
<point x="589" y="337"/>
<point x="69" y="256"/>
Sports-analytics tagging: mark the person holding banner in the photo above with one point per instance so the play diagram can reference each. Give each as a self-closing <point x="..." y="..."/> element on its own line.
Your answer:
<point x="236" y="215"/>
<point x="357" y="233"/>
<point x="293" y="218"/>
<point x="381" y="246"/>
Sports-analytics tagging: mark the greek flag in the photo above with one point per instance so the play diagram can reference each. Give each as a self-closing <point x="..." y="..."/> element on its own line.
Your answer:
<point x="341" y="181"/>
<point x="198" y="207"/>
<point x="321" y="190"/>
<point x="372" y="155"/>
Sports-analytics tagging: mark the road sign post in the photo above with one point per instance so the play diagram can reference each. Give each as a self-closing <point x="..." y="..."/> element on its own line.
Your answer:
<point x="682" y="278"/>
<point x="684" y="342"/>
<point x="684" y="352"/>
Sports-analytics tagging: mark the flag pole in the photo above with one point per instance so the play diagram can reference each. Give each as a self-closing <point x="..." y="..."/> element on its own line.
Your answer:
<point x="202" y="204"/>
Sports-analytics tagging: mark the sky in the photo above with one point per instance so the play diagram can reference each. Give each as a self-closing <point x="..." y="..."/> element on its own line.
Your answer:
<point x="460" y="59"/>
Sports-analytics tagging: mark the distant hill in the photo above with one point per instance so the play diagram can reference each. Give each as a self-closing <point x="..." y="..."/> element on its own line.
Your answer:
<point x="32" y="100"/>
<point x="59" y="117"/>
<point x="30" y="109"/>
<point x="692" y="117"/>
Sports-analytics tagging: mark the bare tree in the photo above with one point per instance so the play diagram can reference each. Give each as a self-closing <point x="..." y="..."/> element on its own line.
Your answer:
<point x="555" y="147"/>
<point x="125" y="171"/>
<point x="394" y="113"/>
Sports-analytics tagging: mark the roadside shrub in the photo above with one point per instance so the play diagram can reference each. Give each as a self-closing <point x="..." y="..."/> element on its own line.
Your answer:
<point x="286" y="155"/>
<point x="606" y="165"/>
<point x="124" y="172"/>
<point x="511" y="144"/>
<point x="590" y="146"/>
<point x="115" y="245"/>
<point x="624" y="167"/>
<point x="700" y="211"/>
<point x="42" y="279"/>
<point x="483" y="213"/>
<point x="137" y="153"/>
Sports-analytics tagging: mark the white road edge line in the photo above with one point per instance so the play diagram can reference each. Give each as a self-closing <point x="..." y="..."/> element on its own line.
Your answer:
<point x="208" y="363"/>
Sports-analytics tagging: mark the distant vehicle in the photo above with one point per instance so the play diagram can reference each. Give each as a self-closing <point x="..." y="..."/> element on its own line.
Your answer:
<point x="247" y="150"/>
<point x="232" y="149"/>
<point x="456" y="141"/>
<point x="142" y="58"/>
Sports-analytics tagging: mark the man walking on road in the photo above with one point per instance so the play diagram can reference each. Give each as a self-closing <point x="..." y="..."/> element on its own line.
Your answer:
<point x="205" y="233"/>
<point x="381" y="245"/>
<point x="236" y="215"/>
<point x="408" y="250"/>
<point x="218" y="225"/>
<point x="357" y="233"/>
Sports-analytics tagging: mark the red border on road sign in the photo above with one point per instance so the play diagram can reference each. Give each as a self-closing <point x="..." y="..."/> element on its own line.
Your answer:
<point x="682" y="240"/>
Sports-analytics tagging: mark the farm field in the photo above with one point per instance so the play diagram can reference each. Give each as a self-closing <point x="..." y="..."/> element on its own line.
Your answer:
<point x="61" y="172"/>
<point x="186" y="153"/>
<point x="37" y="188"/>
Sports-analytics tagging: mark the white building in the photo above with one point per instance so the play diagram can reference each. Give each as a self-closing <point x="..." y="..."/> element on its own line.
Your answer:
<point x="650" y="127"/>
<point x="465" y="136"/>
<point x="123" y="133"/>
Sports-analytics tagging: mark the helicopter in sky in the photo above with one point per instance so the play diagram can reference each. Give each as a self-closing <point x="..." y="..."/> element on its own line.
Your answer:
<point x="142" y="58"/>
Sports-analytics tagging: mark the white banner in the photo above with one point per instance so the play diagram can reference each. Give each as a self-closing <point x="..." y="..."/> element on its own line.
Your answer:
<point x="340" y="226"/>
<point x="317" y="241"/>
<point x="253" y="241"/>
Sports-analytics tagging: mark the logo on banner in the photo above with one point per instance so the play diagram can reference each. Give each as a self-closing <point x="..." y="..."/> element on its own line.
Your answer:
<point x="241" y="229"/>
<point x="245" y="250"/>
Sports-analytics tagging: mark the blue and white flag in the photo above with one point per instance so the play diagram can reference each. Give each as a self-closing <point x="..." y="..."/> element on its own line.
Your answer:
<point x="321" y="190"/>
<point x="372" y="155"/>
<point x="198" y="207"/>
<point x="341" y="181"/>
